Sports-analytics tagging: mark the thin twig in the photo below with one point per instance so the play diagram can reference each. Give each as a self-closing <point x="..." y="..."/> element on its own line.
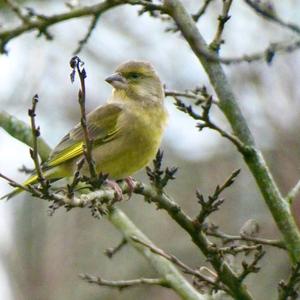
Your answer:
<point x="34" y="149"/>
<point x="223" y="18"/>
<point x="42" y="23"/>
<point x="17" y="10"/>
<point x="269" y="14"/>
<point x="213" y="202"/>
<point x="88" y="34"/>
<point x="122" y="284"/>
<point x="252" y="267"/>
<point x="185" y="268"/>
<point x="227" y="238"/>
<point x="207" y="123"/>
<point x="201" y="10"/>
<point x="110" y="252"/>
<point x="77" y="64"/>
<point x="290" y="197"/>
<point x="76" y="179"/>
<point x="189" y="94"/>
<point x="17" y="185"/>
<point x="238" y="249"/>
<point x="267" y="54"/>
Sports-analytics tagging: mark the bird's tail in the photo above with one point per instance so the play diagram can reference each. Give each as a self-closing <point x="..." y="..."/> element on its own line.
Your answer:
<point x="31" y="180"/>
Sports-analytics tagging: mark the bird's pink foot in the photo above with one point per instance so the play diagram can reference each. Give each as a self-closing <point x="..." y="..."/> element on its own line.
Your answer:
<point x="118" y="192"/>
<point x="130" y="183"/>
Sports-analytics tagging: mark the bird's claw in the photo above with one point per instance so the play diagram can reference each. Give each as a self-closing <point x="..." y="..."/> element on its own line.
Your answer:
<point x="118" y="192"/>
<point x="130" y="184"/>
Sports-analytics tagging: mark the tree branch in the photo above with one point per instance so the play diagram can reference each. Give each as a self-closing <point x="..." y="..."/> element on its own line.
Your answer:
<point x="122" y="284"/>
<point x="164" y="268"/>
<point x="110" y="252"/>
<point x="77" y="66"/>
<point x="269" y="14"/>
<point x="34" y="150"/>
<point x="290" y="290"/>
<point x="223" y="18"/>
<point x="227" y="238"/>
<point x="228" y="104"/>
<point x="207" y="123"/>
<point x="17" y="10"/>
<point x="91" y="28"/>
<point x="202" y="10"/>
<point x="42" y="23"/>
<point x="226" y="275"/>
<point x="210" y="280"/>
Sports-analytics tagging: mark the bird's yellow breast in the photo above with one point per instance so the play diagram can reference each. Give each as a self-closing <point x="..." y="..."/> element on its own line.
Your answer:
<point x="139" y="137"/>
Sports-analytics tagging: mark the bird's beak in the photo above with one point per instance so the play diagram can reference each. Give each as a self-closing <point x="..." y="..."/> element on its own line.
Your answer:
<point x="117" y="81"/>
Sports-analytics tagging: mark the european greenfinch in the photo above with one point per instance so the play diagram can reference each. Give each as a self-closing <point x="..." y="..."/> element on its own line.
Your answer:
<point x="126" y="131"/>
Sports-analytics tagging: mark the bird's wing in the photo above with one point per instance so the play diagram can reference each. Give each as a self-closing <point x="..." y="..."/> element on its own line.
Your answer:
<point x="102" y="126"/>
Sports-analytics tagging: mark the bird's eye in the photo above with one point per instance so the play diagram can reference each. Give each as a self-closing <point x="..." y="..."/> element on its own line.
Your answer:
<point x="134" y="75"/>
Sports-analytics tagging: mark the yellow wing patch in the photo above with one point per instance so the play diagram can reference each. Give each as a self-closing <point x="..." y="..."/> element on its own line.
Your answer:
<point x="77" y="149"/>
<point x="65" y="155"/>
<point x="30" y="180"/>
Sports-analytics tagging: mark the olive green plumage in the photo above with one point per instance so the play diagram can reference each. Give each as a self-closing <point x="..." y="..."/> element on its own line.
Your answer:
<point x="126" y="131"/>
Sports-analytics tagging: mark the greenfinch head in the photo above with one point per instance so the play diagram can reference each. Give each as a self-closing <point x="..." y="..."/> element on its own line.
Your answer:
<point x="137" y="80"/>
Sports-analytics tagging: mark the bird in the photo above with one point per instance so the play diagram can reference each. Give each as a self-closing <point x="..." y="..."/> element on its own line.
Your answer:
<point x="126" y="131"/>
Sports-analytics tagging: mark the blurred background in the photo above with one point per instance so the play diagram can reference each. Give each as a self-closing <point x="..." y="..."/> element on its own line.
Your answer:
<point x="41" y="256"/>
